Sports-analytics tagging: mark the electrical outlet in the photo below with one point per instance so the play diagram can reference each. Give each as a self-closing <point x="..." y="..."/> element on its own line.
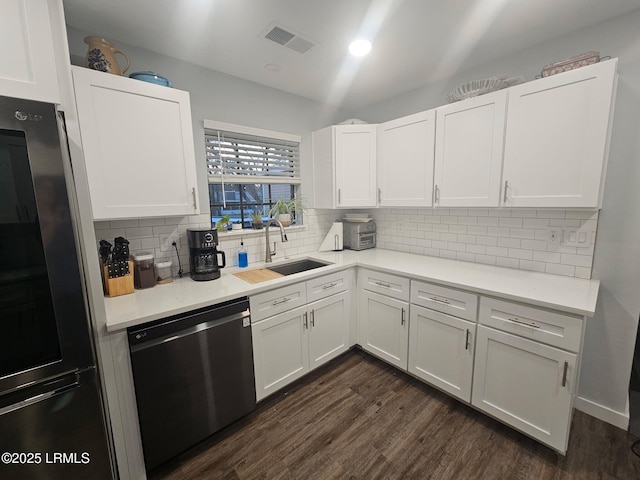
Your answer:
<point x="167" y="240"/>
<point x="554" y="235"/>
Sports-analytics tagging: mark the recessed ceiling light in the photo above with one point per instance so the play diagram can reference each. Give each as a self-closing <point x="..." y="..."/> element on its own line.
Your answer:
<point x="272" y="67"/>
<point x="359" y="48"/>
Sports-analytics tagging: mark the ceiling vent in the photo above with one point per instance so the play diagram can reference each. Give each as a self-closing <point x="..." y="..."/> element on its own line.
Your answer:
<point x="288" y="38"/>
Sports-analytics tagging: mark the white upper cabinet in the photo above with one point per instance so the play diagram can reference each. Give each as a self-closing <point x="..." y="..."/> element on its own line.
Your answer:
<point x="28" y="68"/>
<point x="138" y="146"/>
<point x="556" y="138"/>
<point x="405" y="161"/>
<point x="468" y="154"/>
<point x="344" y="166"/>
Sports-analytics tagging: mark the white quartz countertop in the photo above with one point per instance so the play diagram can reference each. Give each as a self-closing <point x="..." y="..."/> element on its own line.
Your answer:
<point x="568" y="294"/>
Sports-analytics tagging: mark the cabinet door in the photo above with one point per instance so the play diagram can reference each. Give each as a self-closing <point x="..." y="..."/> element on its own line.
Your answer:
<point x="138" y="146"/>
<point x="441" y="350"/>
<point x="468" y="158"/>
<point x="383" y="329"/>
<point x="28" y="68"/>
<point x="525" y="384"/>
<point x="556" y="140"/>
<point x="328" y="328"/>
<point x="405" y="161"/>
<point x="355" y="164"/>
<point x="280" y="350"/>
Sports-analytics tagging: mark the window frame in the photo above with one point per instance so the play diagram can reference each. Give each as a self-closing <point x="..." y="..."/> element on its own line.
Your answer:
<point x="238" y="181"/>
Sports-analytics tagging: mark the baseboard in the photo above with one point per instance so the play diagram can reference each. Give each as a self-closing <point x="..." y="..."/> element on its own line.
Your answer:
<point x="617" y="419"/>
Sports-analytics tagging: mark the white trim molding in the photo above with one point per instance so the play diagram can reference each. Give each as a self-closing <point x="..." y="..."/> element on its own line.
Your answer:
<point x="617" y="419"/>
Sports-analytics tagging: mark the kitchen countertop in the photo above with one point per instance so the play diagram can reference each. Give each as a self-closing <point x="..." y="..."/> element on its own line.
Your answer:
<point x="573" y="295"/>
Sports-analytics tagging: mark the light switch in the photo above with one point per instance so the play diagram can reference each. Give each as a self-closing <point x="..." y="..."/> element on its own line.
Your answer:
<point x="572" y="236"/>
<point x="582" y="237"/>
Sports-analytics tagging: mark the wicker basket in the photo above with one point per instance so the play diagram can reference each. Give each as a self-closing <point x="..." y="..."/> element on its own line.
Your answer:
<point x="567" y="64"/>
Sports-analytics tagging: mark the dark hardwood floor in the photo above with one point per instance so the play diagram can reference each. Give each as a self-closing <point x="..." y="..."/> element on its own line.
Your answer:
<point x="358" y="418"/>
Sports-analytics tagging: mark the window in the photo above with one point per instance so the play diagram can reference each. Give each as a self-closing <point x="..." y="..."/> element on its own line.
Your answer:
<point x="249" y="169"/>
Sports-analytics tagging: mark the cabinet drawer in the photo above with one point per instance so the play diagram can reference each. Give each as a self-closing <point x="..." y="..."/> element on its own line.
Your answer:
<point x="446" y="300"/>
<point x="384" y="283"/>
<point x="327" y="285"/>
<point x="276" y="301"/>
<point x="553" y="328"/>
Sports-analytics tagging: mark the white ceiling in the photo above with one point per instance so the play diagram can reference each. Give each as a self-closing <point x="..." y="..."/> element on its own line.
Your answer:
<point x="415" y="42"/>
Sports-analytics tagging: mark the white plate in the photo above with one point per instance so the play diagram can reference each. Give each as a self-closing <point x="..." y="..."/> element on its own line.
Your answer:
<point x="356" y="215"/>
<point x="358" y="220"/>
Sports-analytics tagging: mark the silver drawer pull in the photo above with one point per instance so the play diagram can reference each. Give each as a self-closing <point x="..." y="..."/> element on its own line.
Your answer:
<point x="305" y="322"/>
<point x="564" y="374"/>
<point x="440" y="300"/>
<point x="381" y="284"/>
<point x="329" y="285"/>
<point x="280" y="302"/>
<point x="466" y="342"/>
<point x="520" y="322"/>
<point x="402" y="318"/>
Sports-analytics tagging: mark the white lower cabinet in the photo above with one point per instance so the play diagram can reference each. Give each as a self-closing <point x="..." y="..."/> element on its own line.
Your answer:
<point x="441" y="350"/>
<point x="288" y="345"/>
<point x="383" y="329"/>
<point x="328" y="321"/>
<point x="280" y="350"/>
<point x="526" y="384"/>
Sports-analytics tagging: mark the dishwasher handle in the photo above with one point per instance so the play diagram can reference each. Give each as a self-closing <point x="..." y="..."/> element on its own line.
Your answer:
<point x="243" y="316"/>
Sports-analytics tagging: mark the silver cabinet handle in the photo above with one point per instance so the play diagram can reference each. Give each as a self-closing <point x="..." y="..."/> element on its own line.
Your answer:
<point x="195" y="198"/>
<point x="304" y="321"/>
<point x="466" y="341"/>
<point x="520" y="322"/>
<point x="280" y="302"/>
<point x="381" y="284"/>
<point x="313" y="318"/>
<point x="339" y="197"/>
<point x="506" y="185"/>
<point x="437" y="195"/>
<point x="564" y="374"/>
<point x="379" y="195"/>
<point x="329" y="285"/>
<point x="402" y="317"/>
<point x="440" y="300"/>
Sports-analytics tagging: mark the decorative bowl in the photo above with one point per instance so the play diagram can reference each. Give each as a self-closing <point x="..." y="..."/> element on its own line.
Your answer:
<point x="151" y="78"/>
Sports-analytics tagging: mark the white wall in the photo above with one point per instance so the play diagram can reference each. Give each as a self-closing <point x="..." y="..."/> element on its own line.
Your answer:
<point x="610" y="336"/>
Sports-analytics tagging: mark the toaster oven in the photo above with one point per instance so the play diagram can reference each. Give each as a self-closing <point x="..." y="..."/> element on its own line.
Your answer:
<point x="359" y="235"/>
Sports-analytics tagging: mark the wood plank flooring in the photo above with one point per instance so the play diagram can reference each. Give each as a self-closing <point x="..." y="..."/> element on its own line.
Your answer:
<point x="358" y="418"/>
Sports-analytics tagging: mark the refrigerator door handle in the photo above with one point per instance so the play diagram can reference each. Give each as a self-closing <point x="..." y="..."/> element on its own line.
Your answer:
<point x="40" y="397"/>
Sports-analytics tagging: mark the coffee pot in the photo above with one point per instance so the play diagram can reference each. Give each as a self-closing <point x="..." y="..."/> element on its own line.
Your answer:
<point x="101" y="55"/>
<point x="205" y="260"/>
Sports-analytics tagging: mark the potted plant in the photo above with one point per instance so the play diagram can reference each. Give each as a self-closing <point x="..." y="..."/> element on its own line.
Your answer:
<point x="282" y="209"/>
<point x="256" y="219"/>
<point x="222" y="225"/>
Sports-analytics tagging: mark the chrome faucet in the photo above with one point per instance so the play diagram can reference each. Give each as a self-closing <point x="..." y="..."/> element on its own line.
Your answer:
<point x="268" y="254"/>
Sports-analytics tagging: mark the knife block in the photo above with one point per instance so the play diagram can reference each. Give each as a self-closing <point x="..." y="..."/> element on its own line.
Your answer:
<point x="114" y="287"/>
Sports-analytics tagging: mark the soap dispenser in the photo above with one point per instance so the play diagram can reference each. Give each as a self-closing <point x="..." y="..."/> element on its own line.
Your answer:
<point x="243" y="259"/>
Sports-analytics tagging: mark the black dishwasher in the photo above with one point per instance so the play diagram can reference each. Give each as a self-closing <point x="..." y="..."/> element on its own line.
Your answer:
<point x="193" y="375"/>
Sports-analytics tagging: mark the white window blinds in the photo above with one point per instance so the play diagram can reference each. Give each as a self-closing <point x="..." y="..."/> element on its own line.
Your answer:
<point x="237" y="154"/>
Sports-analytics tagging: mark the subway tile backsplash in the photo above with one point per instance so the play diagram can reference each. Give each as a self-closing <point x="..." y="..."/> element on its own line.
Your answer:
<point x="510" y="238"/>
<point x="156" y="234"/>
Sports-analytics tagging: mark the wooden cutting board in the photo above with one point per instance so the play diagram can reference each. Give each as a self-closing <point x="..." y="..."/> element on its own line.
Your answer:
<point x="258" y="275"/>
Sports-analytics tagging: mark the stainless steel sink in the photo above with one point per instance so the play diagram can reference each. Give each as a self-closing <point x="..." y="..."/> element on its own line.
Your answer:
<point x="297" y="266"/>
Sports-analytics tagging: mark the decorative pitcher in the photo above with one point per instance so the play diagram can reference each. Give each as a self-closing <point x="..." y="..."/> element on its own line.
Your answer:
<point x="102" y="56"/>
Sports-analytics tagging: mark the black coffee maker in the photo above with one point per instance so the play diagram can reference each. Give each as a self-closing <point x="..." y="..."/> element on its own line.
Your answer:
<point x="203" y="255"/>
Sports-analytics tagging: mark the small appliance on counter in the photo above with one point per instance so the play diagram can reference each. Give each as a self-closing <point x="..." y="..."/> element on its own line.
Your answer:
<point x="359" y="235"/>
<point x="203" y="254"/>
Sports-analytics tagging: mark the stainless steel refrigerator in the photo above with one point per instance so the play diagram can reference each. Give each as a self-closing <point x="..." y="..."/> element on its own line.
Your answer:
<point x="52" y="422"/>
